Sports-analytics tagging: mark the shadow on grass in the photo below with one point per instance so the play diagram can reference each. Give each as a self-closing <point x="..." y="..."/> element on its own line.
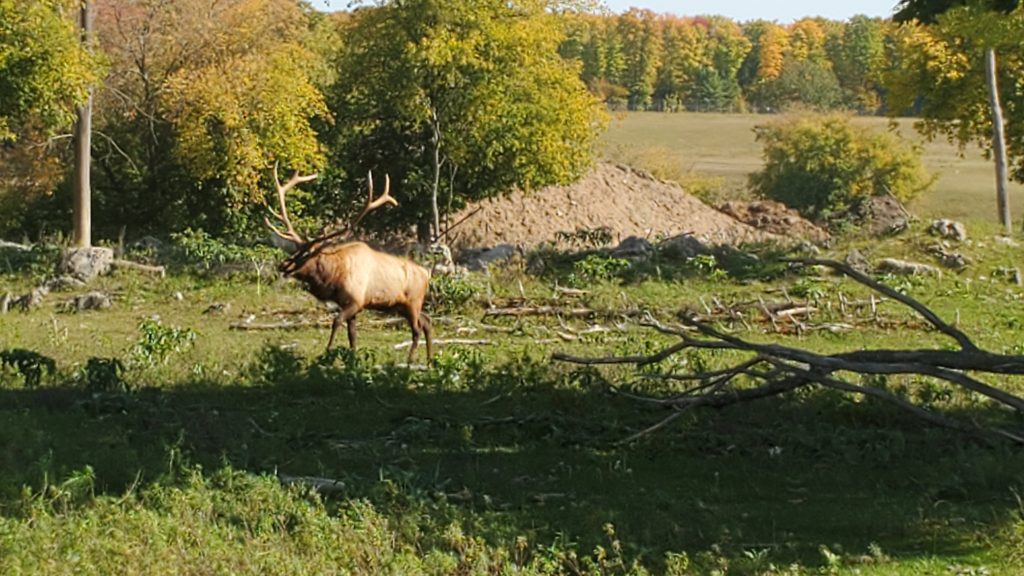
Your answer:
<point x="518" y="450"/>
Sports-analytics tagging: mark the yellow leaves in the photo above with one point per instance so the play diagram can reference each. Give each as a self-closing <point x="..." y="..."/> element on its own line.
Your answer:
<point x="235" y="118"/>
<point x="774" y="43"/>
<point x="231" y="76"/>
<point x="807" y="40"/>
<point x="45" y="69"/>
<point x="927" y="50"/>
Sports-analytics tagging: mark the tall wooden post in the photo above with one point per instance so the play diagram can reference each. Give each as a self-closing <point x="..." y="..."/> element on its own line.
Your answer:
<point x="998" y="142"/>
<point x="82" y="205"/>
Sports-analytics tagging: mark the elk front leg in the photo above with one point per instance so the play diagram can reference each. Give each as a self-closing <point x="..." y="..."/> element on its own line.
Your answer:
<point x="414" y="327"/>
<point x="348" y="315"/>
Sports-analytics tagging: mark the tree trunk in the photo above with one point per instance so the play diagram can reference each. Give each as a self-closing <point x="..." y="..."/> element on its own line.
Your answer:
<point x="82" y="207"/>
<point x="998" y="142"/>
<point x="436" y="125"/>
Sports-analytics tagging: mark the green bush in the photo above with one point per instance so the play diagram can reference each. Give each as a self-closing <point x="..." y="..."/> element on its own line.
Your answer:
<point x="596" y="268"/>
<point x="199" y="247"/>
<point x="449" y="292"/>
<point x="39" y="262"/>
<point x="103" y="375"/>
<point x="157" y="342"/>
<point x="826" y="169"/>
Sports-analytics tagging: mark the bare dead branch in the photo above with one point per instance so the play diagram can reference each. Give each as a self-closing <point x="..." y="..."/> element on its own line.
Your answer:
<point x="866" y="280"/>
<point x="782" y="368"/>
<point x="322" y="485"/>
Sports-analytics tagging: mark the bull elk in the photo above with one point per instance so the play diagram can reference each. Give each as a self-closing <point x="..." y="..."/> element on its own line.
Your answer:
<point x="350" y="273"/>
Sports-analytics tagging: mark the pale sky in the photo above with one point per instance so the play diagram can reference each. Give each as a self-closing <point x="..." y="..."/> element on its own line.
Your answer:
<point x="739" y="10"/>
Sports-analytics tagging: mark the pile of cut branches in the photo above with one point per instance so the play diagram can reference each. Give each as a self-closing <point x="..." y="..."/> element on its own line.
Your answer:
<point x="774" y="369"/>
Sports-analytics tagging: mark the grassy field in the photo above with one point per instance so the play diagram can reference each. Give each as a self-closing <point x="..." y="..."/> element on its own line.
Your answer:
<point x="161" y="439"/>
<point x="721" y="147"/>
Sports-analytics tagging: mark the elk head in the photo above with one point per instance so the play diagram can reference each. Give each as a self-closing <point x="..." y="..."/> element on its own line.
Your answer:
<point x="351" y="274"/>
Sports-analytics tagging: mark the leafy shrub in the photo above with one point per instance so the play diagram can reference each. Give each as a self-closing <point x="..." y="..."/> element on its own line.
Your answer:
<point x="103" y="375"/>
<point x="803" y="82"/>
<point x="38" y="262"/>
<point x="452" y="291"/>
<point x="275" y="365"/>
<point x="707" y="265"/>
<point x="157" y="342"/>
<point x="596" y="268"/>
<point x="826" y="169"/>
<point x="586" y="237"/>
<point x="199" y="247"/>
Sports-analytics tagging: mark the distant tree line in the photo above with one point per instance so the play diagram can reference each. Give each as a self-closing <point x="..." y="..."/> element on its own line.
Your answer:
<point x="641" y="60"/>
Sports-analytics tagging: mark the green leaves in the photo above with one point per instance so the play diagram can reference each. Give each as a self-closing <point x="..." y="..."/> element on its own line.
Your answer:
<point x="237" y="117"/>
<point x="938" y="74"/>
<point x="825" y="168"/>
<point x="44" y="69"/>
<point x="471" y="94"/>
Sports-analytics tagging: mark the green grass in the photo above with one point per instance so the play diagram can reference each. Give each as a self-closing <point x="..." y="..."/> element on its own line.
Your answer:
<point x="495" y="459"/>
<point x="494" y="456"/>
<point x="692" y="147"/>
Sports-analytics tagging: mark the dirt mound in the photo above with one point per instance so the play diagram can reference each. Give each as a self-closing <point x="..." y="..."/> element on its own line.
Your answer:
<point x="775" y="217"/>
<point x="623" y="201"/>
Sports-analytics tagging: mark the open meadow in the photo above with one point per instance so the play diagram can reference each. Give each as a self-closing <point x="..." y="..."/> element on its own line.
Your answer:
<point x="719" y="151"/>
<point x="183" y="430"/>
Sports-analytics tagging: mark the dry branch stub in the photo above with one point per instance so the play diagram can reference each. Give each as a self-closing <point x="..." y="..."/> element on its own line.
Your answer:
<point x="776" y="369"/>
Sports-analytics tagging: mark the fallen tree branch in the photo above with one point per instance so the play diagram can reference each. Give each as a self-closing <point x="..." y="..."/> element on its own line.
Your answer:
<point x="777" y="369"/>
<point x="137" y="267"/>
<point x="866" y="280"/>
<point x="286" y="325"/>
<point x="541" y="311"/>
<point x="448" y="341"/>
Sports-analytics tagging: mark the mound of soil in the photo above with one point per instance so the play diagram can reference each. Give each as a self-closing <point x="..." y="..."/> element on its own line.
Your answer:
<point x="775" y="217"/>
<point x="625" y="201"/>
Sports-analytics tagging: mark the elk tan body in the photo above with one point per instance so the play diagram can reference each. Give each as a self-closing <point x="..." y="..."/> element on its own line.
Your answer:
<point x="355" y="276"/>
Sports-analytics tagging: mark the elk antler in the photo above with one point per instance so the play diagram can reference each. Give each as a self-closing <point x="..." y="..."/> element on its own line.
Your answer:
<point x="372" y="204"/>
<point x="290" y="234"/>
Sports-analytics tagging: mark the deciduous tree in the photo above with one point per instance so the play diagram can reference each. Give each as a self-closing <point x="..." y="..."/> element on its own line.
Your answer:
<point x="204" y="97"/>
<point x="459" y="100"/>
<point x="953" y="83"/>
<point x="764" y="62"/>
<point x="641" y="47"/>
<point x="44" y="70"/>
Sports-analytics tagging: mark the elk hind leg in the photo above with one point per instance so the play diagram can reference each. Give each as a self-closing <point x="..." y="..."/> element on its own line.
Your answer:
<point x="426" y="326"/>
